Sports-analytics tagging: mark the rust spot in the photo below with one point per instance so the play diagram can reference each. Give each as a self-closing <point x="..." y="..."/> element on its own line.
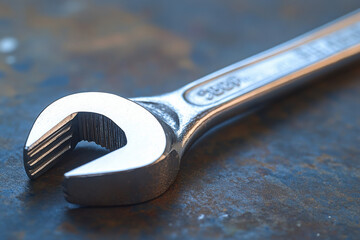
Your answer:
<point x="324" y="158"/>
<point x="19" y="235"/>
<point x="308" y="165"/>
<point x="67" y="227"/>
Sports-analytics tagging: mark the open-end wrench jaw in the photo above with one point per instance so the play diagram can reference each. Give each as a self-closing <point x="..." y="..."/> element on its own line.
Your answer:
<point x="141" y="166"/>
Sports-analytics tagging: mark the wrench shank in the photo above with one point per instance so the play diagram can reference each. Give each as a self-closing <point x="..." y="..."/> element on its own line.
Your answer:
<point x="229" y="91"/>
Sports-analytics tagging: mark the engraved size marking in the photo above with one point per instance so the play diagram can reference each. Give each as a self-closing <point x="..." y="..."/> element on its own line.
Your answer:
<point x="219" y="88"/>
<point x="253" y="76"/>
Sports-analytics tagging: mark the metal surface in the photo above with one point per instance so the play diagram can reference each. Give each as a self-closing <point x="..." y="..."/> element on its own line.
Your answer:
<point x="146" y="164"/>
<point x="288" y="171"/>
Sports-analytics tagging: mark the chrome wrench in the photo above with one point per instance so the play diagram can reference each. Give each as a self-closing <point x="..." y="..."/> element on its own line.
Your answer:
<point x="149" y="135"/>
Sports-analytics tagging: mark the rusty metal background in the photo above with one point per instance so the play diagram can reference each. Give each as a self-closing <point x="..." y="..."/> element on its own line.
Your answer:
<point x="288" y="171"/>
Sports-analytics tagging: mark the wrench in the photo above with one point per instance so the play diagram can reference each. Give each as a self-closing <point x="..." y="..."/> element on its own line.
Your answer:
<point x="149" y="135"/>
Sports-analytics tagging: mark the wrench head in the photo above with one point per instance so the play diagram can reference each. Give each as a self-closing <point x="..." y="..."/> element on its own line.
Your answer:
<point x="141" y="166"/>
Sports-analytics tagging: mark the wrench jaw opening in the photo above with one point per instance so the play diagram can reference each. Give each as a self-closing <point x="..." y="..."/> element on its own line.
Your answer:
<point x="142" y="165"/>
<point x="83" y="126"/>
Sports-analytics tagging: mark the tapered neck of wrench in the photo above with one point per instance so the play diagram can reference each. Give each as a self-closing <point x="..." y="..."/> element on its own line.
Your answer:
<point x="196" y="107"/>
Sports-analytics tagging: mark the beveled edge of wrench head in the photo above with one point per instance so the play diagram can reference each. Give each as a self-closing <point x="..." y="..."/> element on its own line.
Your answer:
<point x="139" y="171"/>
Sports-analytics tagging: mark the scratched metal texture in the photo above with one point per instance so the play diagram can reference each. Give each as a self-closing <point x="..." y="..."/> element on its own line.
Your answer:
<point x="288" y="171"/>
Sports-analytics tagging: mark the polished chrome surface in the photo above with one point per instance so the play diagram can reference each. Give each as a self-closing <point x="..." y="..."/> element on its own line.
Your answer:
<point x="149" y="135"/>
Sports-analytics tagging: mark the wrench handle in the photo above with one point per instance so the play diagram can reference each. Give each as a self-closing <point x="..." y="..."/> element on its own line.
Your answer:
<point x="280" y="65"/>
<point x="229" y="91"/>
